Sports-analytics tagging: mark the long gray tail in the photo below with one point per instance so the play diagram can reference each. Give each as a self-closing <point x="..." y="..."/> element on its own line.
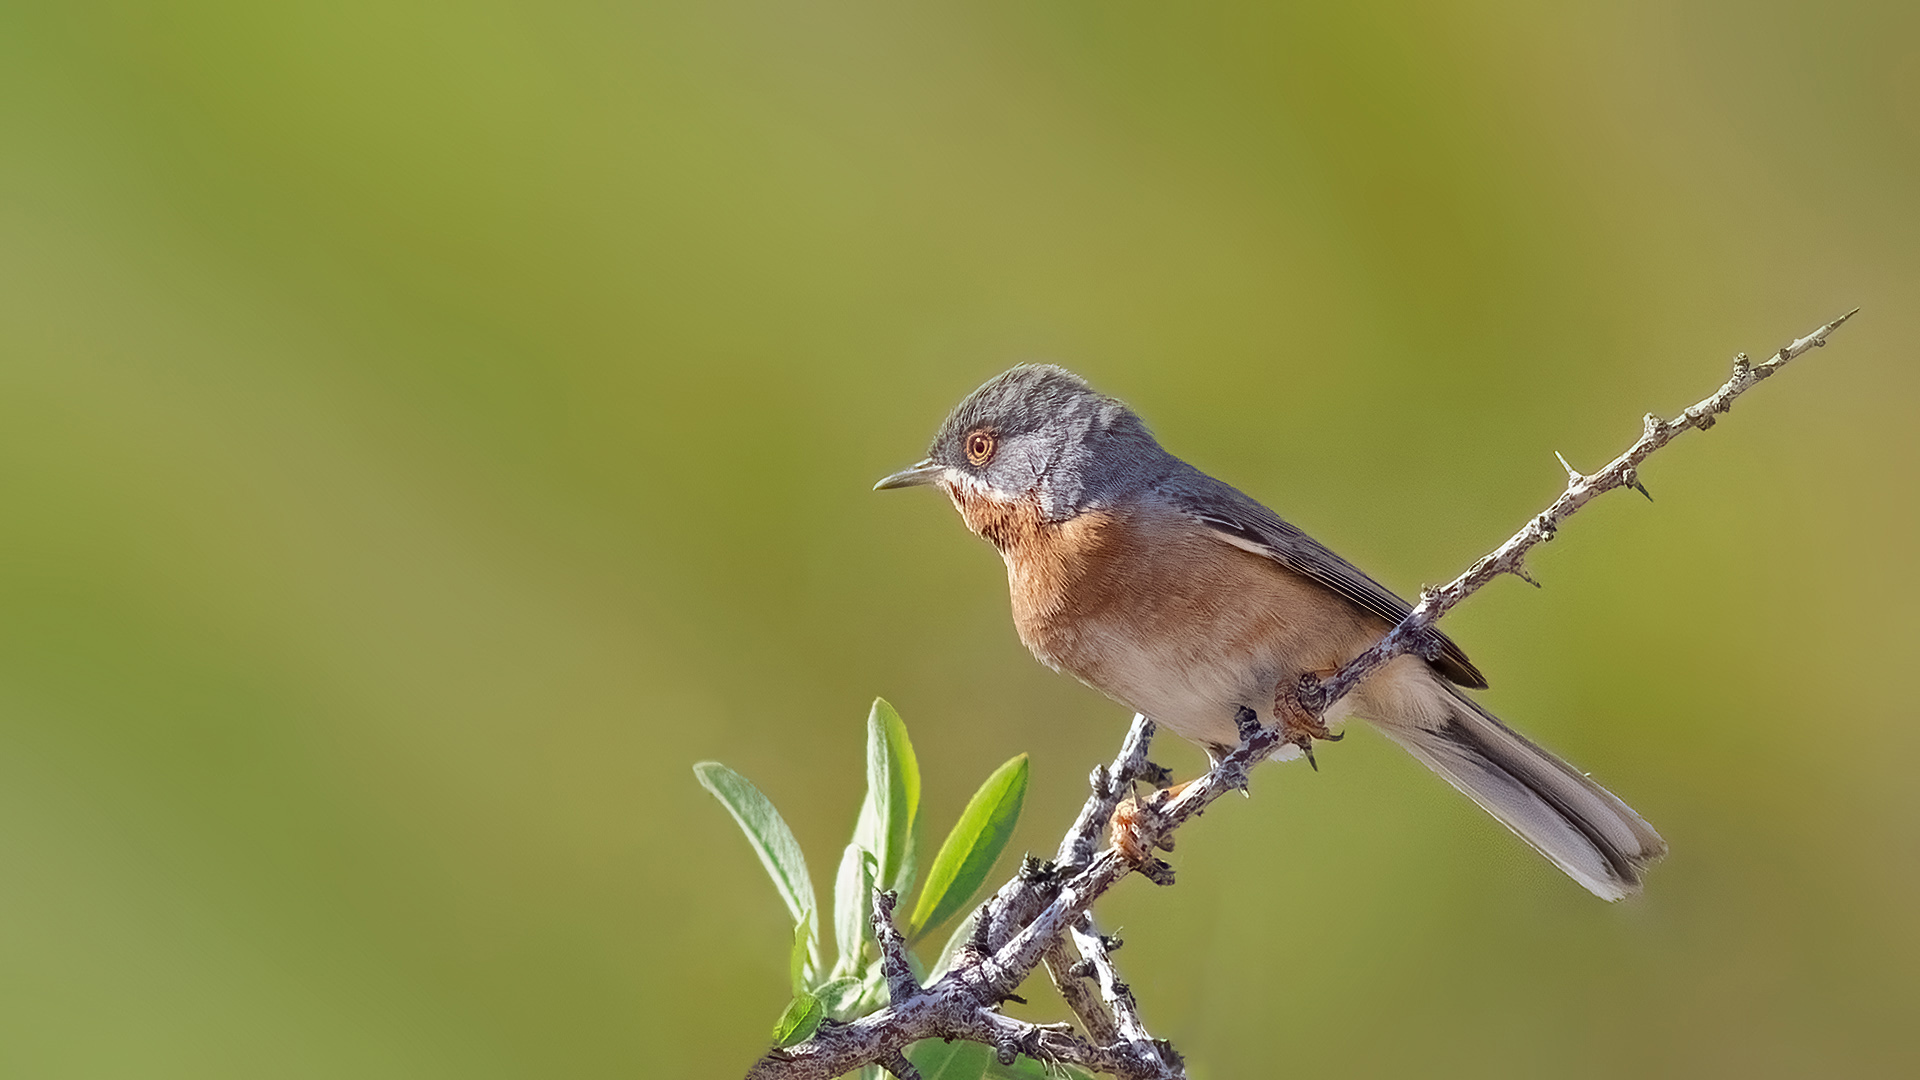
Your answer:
<point x="1577" y="824"/>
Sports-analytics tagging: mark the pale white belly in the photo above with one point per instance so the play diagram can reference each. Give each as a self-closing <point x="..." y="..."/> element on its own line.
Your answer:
<point x="1196" y="695"/>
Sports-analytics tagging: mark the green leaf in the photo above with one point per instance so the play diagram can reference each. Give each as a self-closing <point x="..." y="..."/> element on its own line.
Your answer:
<point x="799" y="1021"/>
<point x="852" y="902"/>
<point x="967" y="854"/>
<point x="797" y="959"/>
<point x="911" y="858"/>
<point x="954" y="940"/>
<point x="873" y="990"/>
<point x="956" y="1060"/>
<point x="771" y="839"/>
<point x="840" y="997"/>
<point x="893" y="795"/>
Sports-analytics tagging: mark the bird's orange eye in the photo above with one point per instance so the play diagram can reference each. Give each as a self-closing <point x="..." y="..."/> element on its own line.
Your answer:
<point x="979" y="447"/>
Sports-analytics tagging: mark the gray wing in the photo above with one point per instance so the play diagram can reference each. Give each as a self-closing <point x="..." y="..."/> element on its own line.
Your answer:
<point x="1249" y="525"/>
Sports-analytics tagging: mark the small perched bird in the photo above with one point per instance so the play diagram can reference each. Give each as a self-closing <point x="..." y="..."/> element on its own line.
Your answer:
<point x="1186" y="601"/>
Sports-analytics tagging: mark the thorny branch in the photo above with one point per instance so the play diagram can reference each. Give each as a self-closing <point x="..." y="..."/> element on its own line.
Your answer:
<point x="1509" y="558"/>
<point x="1047" y="904"/>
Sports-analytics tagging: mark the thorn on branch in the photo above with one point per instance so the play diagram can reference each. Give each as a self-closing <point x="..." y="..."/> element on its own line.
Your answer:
<point x="897" y="1064"/>
<point x="1573" y="474"/>
<point x="1519" y="570"/>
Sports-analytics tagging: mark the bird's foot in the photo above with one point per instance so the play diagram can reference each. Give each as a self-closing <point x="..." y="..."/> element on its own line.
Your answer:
<point x="1136" y="829"/>
<point x="1300" y="725"/>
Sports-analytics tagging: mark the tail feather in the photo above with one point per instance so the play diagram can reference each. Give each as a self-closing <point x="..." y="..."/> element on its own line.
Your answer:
<point x="1578" y="825"/>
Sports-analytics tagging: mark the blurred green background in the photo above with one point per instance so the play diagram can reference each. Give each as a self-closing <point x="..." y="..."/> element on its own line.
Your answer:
<point x="425" y="430"/>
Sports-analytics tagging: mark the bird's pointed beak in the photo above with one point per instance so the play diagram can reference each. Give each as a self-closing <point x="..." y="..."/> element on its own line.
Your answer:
<point x="925" y="472"/>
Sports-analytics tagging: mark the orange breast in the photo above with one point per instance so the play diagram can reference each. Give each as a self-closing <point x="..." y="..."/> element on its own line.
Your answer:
<point x="1149" y="608"/>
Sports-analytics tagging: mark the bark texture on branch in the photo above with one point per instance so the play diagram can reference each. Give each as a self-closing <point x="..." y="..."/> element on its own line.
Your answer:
<point x="1048" y="904"/>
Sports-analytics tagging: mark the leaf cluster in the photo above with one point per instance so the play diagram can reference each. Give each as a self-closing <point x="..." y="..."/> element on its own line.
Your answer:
<point x="884" y="853"/>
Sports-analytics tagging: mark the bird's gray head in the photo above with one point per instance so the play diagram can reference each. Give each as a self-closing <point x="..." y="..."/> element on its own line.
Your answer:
<point x="1038" y="431"/>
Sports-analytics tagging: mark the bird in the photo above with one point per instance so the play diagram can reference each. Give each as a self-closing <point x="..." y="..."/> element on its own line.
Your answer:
<point x="1187" y="601"/>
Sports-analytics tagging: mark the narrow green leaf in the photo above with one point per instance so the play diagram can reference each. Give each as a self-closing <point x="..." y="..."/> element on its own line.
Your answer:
<point x="852" y="901"/>
<point x="910" y="859"/>
<point x="771" y="839"/>
<point x="867" y="831"/>
<point x="873" y="990"/>
<point x="797" y="959"/>
<point x="956" y="1060"/>
<point x="908" y="764"/>
<point x="799" y="1021"/>
<point x="967" y="854"/>
<point x="840" y="997"/>
<point x="893" y="794"/>
<point x="954" y="940"/>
